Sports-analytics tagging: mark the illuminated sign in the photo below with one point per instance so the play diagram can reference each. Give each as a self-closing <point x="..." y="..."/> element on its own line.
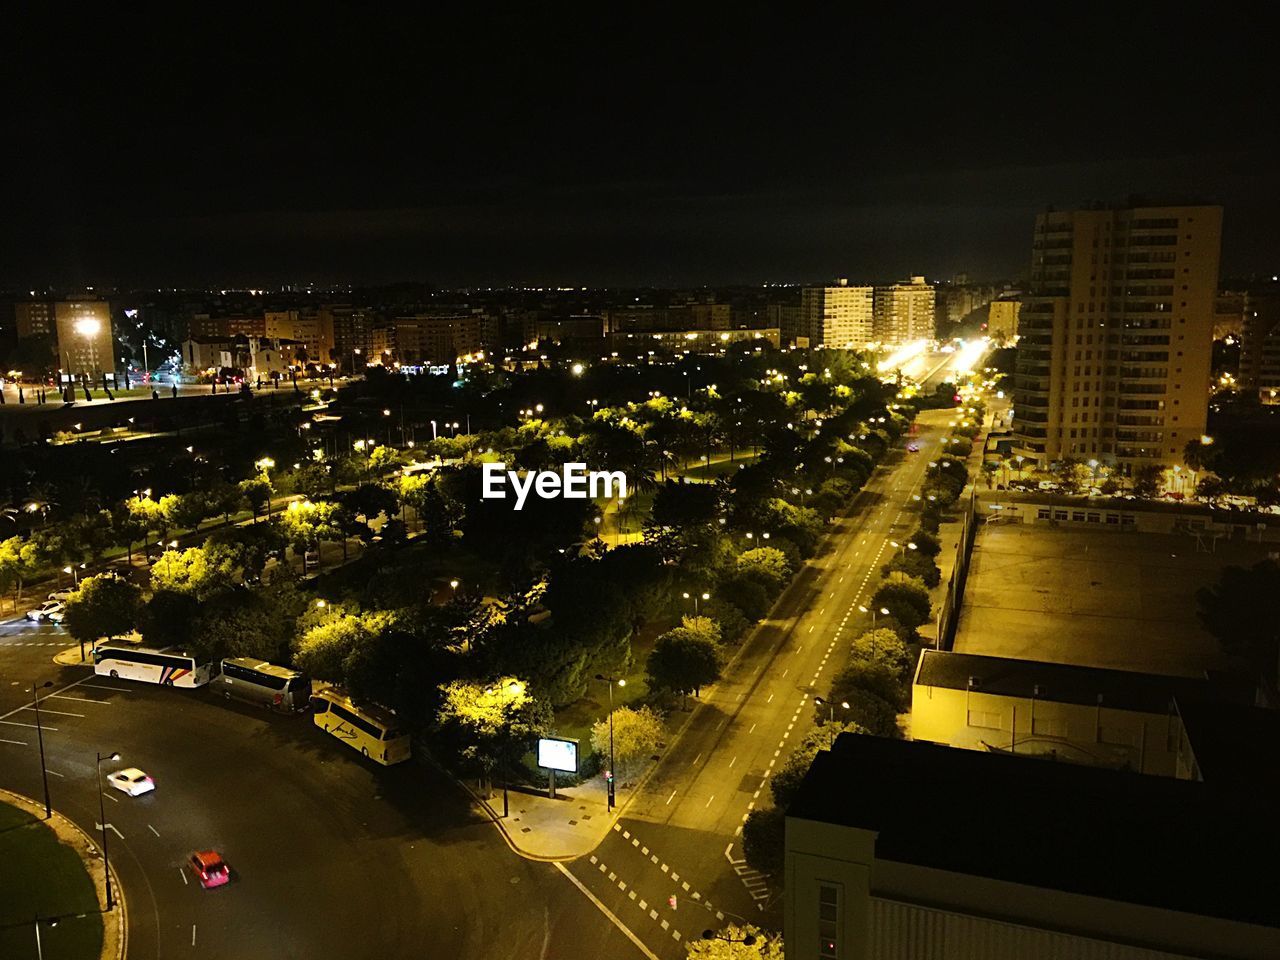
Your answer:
<point x="556" y="753"/>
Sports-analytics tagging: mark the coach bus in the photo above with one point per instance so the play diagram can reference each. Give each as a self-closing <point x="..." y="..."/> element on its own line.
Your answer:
<point x="375" y="732"/>
<point x="151" y="666"/>
<point x="256" y="681"/>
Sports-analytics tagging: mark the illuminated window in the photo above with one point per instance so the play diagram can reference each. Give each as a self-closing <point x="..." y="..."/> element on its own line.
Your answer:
<point x="829" y="911"/>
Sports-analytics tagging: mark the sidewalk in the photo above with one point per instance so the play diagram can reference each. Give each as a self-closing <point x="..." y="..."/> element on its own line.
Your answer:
<point x="539" y="828"/>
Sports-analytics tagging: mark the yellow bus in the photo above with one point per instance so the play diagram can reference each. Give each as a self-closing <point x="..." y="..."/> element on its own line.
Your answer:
<point x="374" y="732"/>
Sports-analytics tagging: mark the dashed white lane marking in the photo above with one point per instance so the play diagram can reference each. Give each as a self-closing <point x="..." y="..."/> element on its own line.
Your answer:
<point x="670" y="798"/>
<point x="183" y="874"/>
<point x="649" y="954"/>
<point x="110" y="797"/>
<point x="17" y="743"/>
<point x="153" y="829"/>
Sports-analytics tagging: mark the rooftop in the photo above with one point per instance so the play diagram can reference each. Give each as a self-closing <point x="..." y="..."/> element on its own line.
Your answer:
<point x="1154" y="841"/>
<point x="1057" y="682"/>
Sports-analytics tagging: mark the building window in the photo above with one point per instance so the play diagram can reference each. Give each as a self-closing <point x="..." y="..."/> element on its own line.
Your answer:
<point x="984" y="719"/>
<point x="829" y="915"/>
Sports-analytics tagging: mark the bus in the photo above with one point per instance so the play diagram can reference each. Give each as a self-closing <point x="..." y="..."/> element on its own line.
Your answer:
<point x="375" y="732"/>
<point x="256" y="681"/>
<point x="151" y="666"/>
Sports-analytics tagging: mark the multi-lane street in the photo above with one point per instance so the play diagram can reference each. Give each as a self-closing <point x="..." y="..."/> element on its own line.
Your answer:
<point x="331" y="856"/>
<point x="679" y="835"/>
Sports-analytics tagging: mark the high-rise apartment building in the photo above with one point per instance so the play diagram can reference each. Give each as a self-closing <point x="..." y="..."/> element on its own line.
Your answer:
<point x="837" y="316"/>
<point x="1116" y="334"/>
<point x="1002" y="319"/>
<point x="313" y="329"/>
<point x="86" y="346"/>
<point x="1260" y="344"/>
<point x="33" y="318"/>
<point x="904" y="312"/>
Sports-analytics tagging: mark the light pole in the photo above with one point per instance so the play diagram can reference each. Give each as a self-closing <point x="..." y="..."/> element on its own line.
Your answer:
<point x="884" y="611"/>
<point x="102" y="813"/>
<point x="831" y="715"/>
<point x="44" y="771"/>
<point x="748" y="939"/>
<point x="695" y="597"/>
<point x="609" y="777"/>
<point x="52" y="922"/>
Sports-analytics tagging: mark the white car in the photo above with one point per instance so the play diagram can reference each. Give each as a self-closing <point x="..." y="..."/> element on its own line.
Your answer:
<point x="131" y="781"/>
<point x="51" y="610"/>
<point x="61" y="595"/>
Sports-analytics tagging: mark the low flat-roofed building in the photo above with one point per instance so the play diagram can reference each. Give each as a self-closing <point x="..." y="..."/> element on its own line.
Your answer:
<point x="1108" y="718"/>
<point x="695" y="341"/>
<point x="899" y="850"/>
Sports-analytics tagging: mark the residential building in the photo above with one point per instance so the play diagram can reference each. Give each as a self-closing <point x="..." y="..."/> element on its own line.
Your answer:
<point x="789" y="320"/>
<point x="1228" y="314"/>
<point x="837" y="316"/>
<point x="352" y="328"/>
<point x="1002" y="319"/>
<point x="1115" y="335"/>
<point x="312" y="329"/>
<point x="86" y="344"/>
<point x="1260" y="344"/>
<point x="959" y="299"/>
<point x="253" y="357"/>
<point x="694" y="341"/>
<point x="562" y="329"/>
<point x="431" y="339"/>
<point x="903" y="850"/>
<point x="33" y="318"/>
<point x="233" y="325"/>
<point x="904" y="312"/>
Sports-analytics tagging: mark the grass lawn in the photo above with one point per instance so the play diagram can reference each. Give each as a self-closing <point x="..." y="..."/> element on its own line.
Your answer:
<point x="41" y="876"/>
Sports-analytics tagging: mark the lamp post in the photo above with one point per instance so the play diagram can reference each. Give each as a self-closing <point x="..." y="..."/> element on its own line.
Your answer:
<point x="52" y="922"/>
<point x="44" y="771"/>
<point x="695" y="597"/>
<point x="748" y="939"/>
<point x="609" y="778"/>
<point x="102" y="813"/>
<point x="884" y="611"/>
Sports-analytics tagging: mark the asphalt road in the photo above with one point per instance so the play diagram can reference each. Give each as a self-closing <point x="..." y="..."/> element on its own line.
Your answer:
<point x="680" y="833"/>
<point x="332" y="856"/>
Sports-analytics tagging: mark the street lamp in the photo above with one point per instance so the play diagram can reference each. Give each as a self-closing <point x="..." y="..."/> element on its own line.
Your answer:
<point x="695" y="598"/>
<point x="106" y="864"/>
<point x="52" y="922"/>
<point x="748" y="940"/>
<point x="609" y="778"/>
<point x="44" y="771"/>
<point x="883" y="611"/>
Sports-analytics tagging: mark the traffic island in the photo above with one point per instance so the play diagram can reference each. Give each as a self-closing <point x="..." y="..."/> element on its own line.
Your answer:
<point x="52" y="890"/>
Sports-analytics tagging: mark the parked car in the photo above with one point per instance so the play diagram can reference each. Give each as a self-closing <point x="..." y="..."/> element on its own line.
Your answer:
<point x="913" y="448"/>
<point x="132" y="781"/>
<point x="209" y="867"/>
<point x="61" y="595"/>
<point x="50" y="610"/>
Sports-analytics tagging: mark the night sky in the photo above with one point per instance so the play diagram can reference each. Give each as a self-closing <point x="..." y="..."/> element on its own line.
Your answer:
<point x="333" y="145"/>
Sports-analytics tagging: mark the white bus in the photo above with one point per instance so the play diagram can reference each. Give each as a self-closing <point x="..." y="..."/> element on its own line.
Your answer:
<point x="375" y="732"/>
<point x="151" y="666"/>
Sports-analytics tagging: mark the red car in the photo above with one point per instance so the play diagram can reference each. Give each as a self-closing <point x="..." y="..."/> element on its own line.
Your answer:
<point x="209" y="867"/>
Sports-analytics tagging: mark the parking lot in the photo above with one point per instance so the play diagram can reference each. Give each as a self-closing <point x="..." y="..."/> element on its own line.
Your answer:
<point x="330" y="855"/>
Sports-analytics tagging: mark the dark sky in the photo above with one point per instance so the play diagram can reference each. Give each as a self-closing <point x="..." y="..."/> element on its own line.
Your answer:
<point x="329" y="144"/>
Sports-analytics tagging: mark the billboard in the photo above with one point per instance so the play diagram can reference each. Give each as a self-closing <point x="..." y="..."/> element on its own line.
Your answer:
<point x="558" y="753"/>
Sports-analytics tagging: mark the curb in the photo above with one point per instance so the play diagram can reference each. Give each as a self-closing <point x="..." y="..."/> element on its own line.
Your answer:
<point x="122" y="915"/>
<point x="496" y="820"/>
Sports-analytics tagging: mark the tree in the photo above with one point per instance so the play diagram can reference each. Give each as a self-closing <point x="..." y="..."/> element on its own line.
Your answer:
<point x="636" y="736"/>
<point x="305" y="524"/>
<point x="926" y="543"/>
<point x="728" y="945"/>
<point x="104" y="606"/>
<point x="785" y="783"/>
<point x="488" y="723"/>
<point x="763" y="840"/>
<point x="881" y="645"/>
<point x="1147" y="479"/>
<point x="687" y="658"/>
<point x="873" y="676"/>
<point x="257" y="492"/>
<point x="873" y="713"/>
<point x="18" y="560"/>
<point x="1240" y="611"/>
<point x="321" y="651"/>
<point x="767" y="566"/>
<point x="906" y="598"/>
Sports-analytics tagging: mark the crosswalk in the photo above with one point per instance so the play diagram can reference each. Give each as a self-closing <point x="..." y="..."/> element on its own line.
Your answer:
<point x="755" y="882"/>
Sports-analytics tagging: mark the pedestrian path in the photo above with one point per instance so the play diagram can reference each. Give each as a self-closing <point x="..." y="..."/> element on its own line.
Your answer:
<point x="539" y="828"/>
